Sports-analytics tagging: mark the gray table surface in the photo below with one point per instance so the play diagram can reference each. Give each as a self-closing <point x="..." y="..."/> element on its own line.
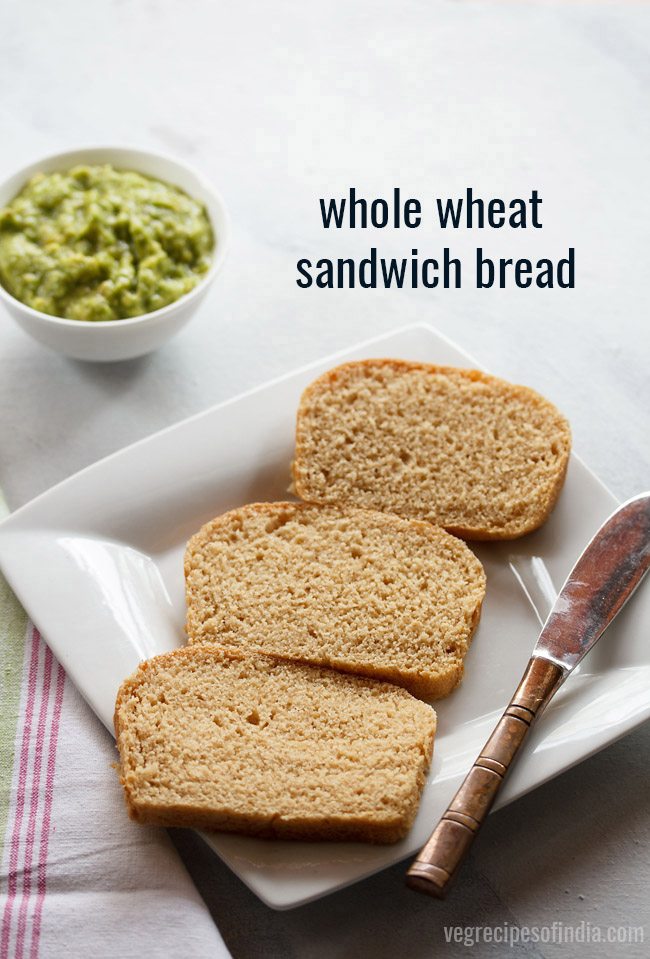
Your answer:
<point x="281" y="104"/>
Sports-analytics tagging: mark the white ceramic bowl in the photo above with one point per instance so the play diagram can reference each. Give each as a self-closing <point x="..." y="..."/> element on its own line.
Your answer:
<point x="120" y="339"/>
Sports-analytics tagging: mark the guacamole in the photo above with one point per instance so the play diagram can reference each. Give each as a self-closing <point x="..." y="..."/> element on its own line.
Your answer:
<point x="95" y="243"/>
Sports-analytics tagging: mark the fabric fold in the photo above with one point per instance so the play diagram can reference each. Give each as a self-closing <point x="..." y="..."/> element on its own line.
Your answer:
<point x="77" y="876"/>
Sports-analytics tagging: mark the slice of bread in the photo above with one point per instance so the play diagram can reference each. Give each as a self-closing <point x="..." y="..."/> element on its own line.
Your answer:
<point x="361" y="591"/>
<point x="214" y="739"/>
<point x="473" y="453"/>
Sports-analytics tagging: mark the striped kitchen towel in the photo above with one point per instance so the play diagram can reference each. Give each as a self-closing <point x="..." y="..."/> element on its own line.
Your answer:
<point x="78" y="877"/>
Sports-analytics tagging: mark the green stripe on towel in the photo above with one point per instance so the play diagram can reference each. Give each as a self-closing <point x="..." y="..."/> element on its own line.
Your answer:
<point x="13" y="624"/>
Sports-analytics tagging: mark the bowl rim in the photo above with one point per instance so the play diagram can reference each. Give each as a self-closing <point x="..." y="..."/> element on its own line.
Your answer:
<point x="220" y="251"/>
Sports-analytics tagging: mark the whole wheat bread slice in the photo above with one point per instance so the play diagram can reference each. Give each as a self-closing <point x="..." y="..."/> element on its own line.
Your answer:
<point x="358" y="590"/>
<point x="479" y="456"/>
<point x="216" y="739"/>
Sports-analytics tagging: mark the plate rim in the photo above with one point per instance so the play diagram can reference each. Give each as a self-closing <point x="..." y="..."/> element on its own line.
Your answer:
<point x="304" y="368"/>
<point x="15" y="515"/>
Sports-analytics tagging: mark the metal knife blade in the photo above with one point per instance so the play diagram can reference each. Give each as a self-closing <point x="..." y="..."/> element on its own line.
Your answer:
<point x="598" y="586"/>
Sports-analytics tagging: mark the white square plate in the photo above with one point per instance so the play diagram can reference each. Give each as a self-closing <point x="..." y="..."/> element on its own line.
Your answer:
<point x="97" y="563"/>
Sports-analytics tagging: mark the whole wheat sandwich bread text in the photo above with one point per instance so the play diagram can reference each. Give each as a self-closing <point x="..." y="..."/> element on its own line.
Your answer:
<point x="358" y="590"/>
<point x="216" y="739"/>
<point x="479" y="456"/>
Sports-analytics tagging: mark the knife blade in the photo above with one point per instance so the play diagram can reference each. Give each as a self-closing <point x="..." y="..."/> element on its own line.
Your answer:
<point x="601" y="582"/>
<point x="606" y="575"/>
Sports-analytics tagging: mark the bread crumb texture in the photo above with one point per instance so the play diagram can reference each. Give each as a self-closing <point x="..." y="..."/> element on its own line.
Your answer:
<point x="214" y="739"/>
<point x="481" y="457"/>
<point x="362" y="591"/>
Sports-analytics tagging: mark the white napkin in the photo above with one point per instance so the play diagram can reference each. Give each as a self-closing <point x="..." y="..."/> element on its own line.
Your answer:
<point x="78" y="877"/>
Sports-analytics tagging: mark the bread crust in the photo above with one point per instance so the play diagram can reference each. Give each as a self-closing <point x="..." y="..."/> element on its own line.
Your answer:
<point x="538" y="511"/>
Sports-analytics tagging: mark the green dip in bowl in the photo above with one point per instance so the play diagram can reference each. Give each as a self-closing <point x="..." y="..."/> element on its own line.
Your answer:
<point x="97" y="243"/>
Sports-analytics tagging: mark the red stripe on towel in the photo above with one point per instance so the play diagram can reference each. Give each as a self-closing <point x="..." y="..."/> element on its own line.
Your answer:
<point x="19" y="810"/>
<point x="34" y="802"/>
<point x="47" y="813"/>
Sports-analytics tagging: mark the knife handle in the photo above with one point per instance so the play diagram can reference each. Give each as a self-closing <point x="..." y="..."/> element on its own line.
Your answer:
<point x="437" y="863"/>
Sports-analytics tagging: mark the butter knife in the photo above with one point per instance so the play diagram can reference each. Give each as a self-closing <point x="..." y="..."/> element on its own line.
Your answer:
<point x="603" y="579"/>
